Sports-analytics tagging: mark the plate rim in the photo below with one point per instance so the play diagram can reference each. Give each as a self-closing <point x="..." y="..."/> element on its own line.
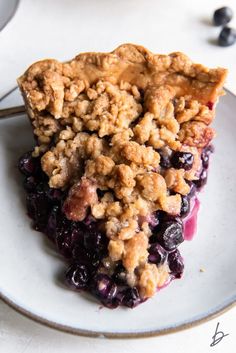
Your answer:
<point x="12" y="14"/>
<point x="119" y="335"/>
<point x="231" y="303"/>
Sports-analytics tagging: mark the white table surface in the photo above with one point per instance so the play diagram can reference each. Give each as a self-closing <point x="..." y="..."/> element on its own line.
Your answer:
<point x="63" y="28"/>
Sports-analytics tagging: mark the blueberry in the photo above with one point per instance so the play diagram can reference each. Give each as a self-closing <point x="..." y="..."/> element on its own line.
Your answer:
<point x="119" y="275"/>
<point x="28" y="165"/>
<point x="176" y="263"/>
<point x="202" y="179"/>
<point x="185" y="206"/>
<point x="131" y="297"/>
<point x="222" y="16"/>
<point x="88" y="258"/>
<point x="64" y="245"/>
<point x="90" y="222"/>
<point x="205" y="156"/>
<point x="95" y="242"/>
<point x="104" y="288"/>
<point x="193" y="188"/>
<point x="227" y="37"/>
<point x="51" y="227"/>
<point x="166" y="217"/>
<point x="157" y="255"/>
<point x="164" y="159"/>
<point x="170" y="235"/>
<point x="77" y="276"/>
<point x="30" y="183"/>
<point x="38" y="209"/>
<point x="54" y="194"/>
<point x="182" y="160"/>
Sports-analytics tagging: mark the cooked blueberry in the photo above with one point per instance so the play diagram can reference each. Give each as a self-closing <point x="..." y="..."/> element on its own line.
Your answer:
<point x="86" y="257"/>
<point x="192" y="190"/>
<point x="77" y="276"/>
<point x="157" y="254"/>
<point x="227" y="37"/>
<point x="51" y="226"/>
<point x="164" y="159"/>
<point x="185" y="206"/>
<point x="222" y="16"/>
<point x="205" y="156"/>
<point x="181" y="160"/>
<point x="176" y="263"/>
<point x="38" y="209"/>
<point x="64" y="245"/>
<point x="166" y="217"/>
<point x="170" y="235"/>
<point x="131" y="297"/>
<point x="90" y="222"/>
<point x="119" y="275"/>
<point x="104" y="288"/>
<point x="153" y="220"/>
<point x="202" y="179"/>
<point x="54" y="194"/>
<point x="95" y="241"/>
<point x="28" y="165"/>
<point x="30" y="183"/>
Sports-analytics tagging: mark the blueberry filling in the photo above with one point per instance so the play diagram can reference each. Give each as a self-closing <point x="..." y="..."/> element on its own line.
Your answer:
<point x="182" y="160"/>
<point x="176" y="263"/>
<point x="185" y="206"/>
<point x="84" y="244"/>
<point x="157" y="254"/>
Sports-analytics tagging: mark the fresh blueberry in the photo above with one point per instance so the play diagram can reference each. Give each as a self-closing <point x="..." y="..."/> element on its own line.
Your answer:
<point x="157" y="254"/>
<point x="131" y="297"/>
<point x="176" y="263"/>
<point x="170" y="235"/>
<point x="185" y="206"/>
<point x="222" y="16"/>
<point x="227" y="37"/>
<point x="77" y="276"/>
<point x="181" y="160"/>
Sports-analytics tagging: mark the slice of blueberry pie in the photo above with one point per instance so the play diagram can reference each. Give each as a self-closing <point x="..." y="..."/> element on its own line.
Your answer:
<point x="123" y="141"/>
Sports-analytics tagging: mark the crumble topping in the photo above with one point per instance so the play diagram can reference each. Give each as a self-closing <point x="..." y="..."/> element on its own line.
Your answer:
<point x="102" y="123"/>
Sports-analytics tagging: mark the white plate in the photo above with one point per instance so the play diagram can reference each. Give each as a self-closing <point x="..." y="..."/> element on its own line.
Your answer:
<point x="7" y="11"/>
<point x="29" y="268"/>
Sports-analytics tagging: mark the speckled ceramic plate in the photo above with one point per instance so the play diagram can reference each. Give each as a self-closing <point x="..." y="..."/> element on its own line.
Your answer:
<point x="29" y="267"/>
